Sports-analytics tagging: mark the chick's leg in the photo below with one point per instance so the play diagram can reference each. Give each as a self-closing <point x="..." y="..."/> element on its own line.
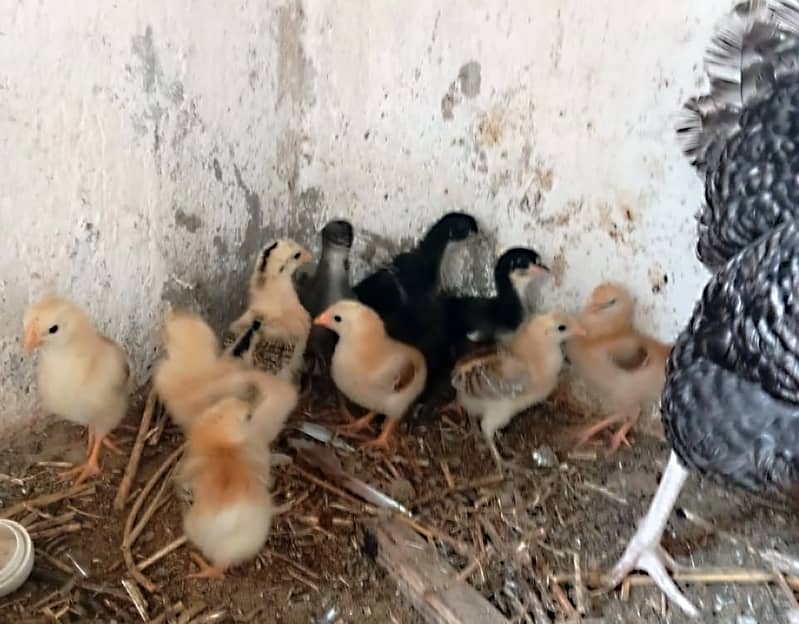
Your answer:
<point x="383" y="440"/>
<point x="358" y="425"/>
<point x="620" y="437"/>
<point x="92" y="465"/>
<point x="644" y="551"/>
<point x="206" y="571"/>
<point x="342" y="406"/>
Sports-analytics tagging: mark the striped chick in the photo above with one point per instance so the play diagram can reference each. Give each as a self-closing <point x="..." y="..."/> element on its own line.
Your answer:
<point x="272" y="333"/>
<point x="496" y="386"/>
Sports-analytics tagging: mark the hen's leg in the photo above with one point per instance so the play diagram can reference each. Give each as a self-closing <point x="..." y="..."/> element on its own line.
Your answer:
<point x="644" y="551"/>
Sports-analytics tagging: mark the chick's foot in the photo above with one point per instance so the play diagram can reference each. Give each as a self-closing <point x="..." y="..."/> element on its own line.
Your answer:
<point x="84" y="471"/>
<point x="206" y="571"/>
<point x="357" y="425"/>
<point x="644" y="551"/>
<point x="112" y="446"/>
<point x="383" y="441"/>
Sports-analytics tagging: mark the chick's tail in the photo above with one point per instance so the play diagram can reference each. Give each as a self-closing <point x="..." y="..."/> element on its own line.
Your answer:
<point x="755" y="47"/>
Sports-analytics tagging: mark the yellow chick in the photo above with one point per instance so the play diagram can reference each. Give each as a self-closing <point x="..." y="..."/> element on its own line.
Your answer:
<point x="231" y="515"/>
<point x="497" y="386"/>
<point x="372" y="369"/>
<point x="273" y="331"/>
<point x="82" y="376"/>
<point x="195" y="374"/>
<point x="625" y="368"/>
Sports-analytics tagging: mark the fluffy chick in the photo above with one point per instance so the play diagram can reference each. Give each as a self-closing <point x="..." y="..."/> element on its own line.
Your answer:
<point x="82" y="375"/>
<point x="232" y="511"/>
<point x="625" y="368"/>
<point x="278" y="340"/>
<point x="372" y="369"/>
<point x="195" y="374"/>
<point x="497" y="386"/>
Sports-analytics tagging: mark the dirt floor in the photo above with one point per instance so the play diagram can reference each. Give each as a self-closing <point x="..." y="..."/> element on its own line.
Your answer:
<point x="569" y="511"/>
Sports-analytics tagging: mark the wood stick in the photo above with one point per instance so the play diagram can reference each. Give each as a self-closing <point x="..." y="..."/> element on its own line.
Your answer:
<point x="135" y="455"/>
<point x="171" y="547"/>
<point x="694" y="576"/>
<point x="72" y="527"/>
<point x="415" y="567"/>
<point x="127" y="541"/>
<point x="47" y="499"/>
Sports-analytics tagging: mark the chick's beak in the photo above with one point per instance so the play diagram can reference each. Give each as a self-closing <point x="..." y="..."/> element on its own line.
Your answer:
<point x="538" y="269"/>
<point x="578" y="330"/>
<point x="324" y="319"/>
<point x="32" y="340"/>
<point x="305" y="256"/>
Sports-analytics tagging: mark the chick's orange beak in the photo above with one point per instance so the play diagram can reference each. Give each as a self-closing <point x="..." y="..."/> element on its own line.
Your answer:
<point x="578" y="330"/>
<point x="325" y="319"/>
<point x="305" y="256"/>
<point x="32" y="340"/>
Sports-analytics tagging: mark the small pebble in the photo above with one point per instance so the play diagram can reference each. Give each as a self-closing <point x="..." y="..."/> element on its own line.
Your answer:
<point x="545" y="457"/>
<point x="402" y="490"/>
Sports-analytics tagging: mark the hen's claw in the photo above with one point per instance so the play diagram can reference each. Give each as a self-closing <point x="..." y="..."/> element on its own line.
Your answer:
<point x="644" y="551"/>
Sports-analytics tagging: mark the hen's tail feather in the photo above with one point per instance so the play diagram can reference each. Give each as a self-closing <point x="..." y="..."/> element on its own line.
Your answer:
<point x="754" y="47"/>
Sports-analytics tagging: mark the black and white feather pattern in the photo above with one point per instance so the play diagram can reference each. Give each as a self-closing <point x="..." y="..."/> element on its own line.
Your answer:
<point x="731" y="401"/>
<point x="742" y="136"/>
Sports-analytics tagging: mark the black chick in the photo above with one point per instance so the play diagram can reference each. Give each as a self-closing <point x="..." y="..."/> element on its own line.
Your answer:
<point x="329" y="283"/>
<point x="740" y="137"/>
<point x="414" y="274"/>
<point x="476" y="321"/>
<point x="730" y="405"/>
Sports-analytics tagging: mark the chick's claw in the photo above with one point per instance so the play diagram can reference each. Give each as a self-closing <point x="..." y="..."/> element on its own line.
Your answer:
<point x="84" y="472"/>
<point x="357" y="425"/>
<point x="206" y="571"/>
<point x="383" y="441"/>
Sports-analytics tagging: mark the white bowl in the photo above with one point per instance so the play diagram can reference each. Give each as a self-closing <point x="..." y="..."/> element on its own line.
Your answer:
<point x="16" y="556"/>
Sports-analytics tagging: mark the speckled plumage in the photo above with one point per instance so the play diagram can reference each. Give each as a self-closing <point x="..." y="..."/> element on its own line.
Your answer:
<point x="731" y="401"/>
<point x="743" y="137"/>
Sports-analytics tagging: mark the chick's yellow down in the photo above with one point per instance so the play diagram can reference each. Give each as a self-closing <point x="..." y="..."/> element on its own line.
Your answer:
<point x="82" y="375"/>
<point x="195" y="374"/>
<point x="372" y="369"/>
<point x="497" y="386"/>
<point x="231" y="515"/>
<point x="625" y="368"/>
<point x="273" y="331"/>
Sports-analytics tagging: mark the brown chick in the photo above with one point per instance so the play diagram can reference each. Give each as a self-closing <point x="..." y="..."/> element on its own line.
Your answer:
<point x="230" y="518"/>
<point x="82" y="376"/>
<point x="497" y="386"/>
<point x="372" y="369"/>
<point x="194" y="375"/>
<point x="273" y="331"/>
<point x="625" y="368"/>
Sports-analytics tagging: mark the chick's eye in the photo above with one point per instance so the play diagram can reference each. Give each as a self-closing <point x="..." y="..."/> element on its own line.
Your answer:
<point x="53" y="329"/>
<point x="297" y="256"/>
<point x="337" y="318"/>
<point x="561" y="328"/>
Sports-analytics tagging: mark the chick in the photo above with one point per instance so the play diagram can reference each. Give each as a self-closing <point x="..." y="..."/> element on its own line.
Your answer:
<point x="82" y="375"/>
<point x="625" y="368"/>
<point x="415" y="273"/>
<point x="232" y="511"/>
<point x="278" y="342"/>
<point x="372" y="369"/>
<point x="497" y="386"/>
<point x="195" y="374"/>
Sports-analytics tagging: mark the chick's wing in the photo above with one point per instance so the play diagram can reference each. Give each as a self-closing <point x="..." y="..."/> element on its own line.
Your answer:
<point x="396" y="373"/>
<point x="497" y="376"/>
<point x="628" y="354"/>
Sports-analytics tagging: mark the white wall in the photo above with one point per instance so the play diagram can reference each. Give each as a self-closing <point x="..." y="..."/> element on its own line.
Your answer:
<point x="151" y="148"/>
